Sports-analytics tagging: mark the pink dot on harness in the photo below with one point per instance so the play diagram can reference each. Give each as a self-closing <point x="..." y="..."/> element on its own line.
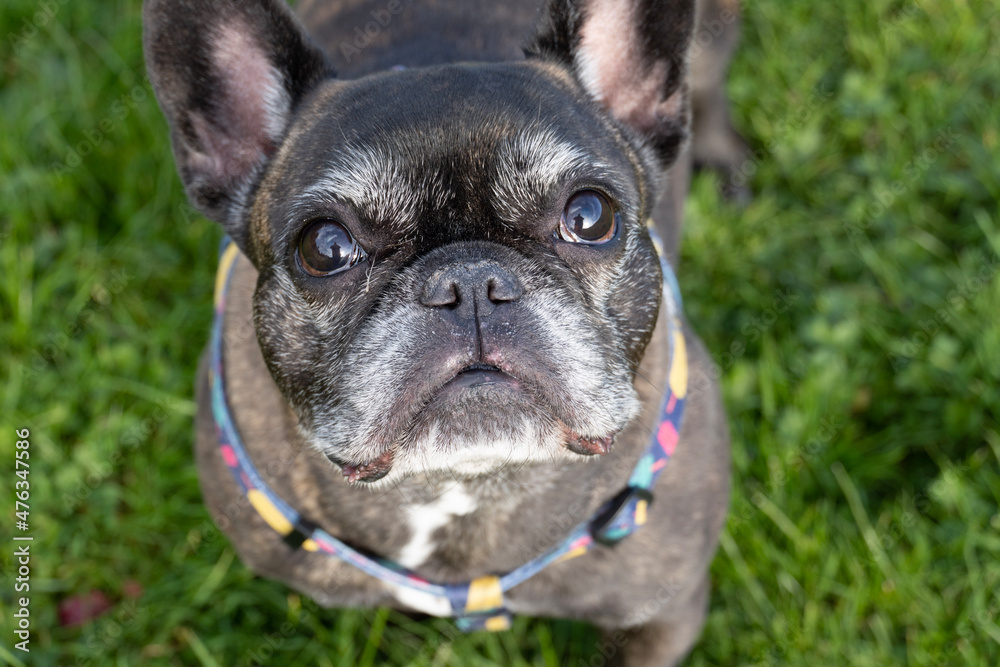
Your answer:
<point x="667" y="437"/>
<point x="228" y="455"/>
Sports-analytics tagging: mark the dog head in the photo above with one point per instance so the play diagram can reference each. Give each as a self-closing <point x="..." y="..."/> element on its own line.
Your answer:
<point x="454" y="269"/>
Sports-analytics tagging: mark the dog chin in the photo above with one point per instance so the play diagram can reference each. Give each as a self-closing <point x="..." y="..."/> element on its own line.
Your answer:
<point x="489" y="452"/>
<point x="450" y="449"/>
<point x="470" y="429"/>
<point x="465" y="449"/>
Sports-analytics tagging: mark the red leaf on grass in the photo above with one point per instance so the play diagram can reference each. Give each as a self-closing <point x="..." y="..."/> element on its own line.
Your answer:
<point x="80" y="609"/>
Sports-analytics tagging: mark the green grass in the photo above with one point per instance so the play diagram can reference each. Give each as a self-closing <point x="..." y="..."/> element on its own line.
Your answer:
<point x="863" y="401"/>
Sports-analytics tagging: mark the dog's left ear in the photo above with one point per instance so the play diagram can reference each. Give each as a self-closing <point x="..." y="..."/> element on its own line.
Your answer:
<point x="630" y="56"/>
<point x="229" y="75"/>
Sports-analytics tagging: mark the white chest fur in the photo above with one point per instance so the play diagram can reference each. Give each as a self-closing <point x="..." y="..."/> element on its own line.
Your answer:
<point x="424" y="520"/>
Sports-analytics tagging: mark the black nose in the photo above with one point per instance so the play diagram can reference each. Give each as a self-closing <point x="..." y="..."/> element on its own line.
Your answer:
<point x="472" y="288"/>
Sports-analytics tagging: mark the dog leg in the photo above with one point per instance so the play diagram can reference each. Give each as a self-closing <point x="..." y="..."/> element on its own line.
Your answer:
<point x="661" y="643"/>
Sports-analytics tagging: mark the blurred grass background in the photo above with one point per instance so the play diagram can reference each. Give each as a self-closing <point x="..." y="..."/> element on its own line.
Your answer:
<point x="852" y="309"/>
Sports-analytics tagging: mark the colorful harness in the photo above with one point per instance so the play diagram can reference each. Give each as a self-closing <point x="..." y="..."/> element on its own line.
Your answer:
<point x="479" y="604"/>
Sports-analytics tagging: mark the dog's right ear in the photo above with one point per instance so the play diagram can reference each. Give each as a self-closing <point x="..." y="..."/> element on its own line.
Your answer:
<point x="631" y="58"/>
<point x="228" y="74"/>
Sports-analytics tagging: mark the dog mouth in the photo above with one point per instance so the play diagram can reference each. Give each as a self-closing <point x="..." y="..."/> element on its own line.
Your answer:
<point x="473" y="377"/>
<point x="476" y="383"/>
<point x="379" y="467"/>
<point x="479" y="375"/>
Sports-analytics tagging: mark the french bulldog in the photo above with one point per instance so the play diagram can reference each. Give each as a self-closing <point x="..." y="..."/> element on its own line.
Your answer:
<point x="444" y="330"/>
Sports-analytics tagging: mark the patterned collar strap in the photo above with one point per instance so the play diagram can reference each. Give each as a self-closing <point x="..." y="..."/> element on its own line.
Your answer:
<point x="479" y="604"/>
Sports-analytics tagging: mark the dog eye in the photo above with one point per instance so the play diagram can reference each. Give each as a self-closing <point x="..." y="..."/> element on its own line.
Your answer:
<point x="588" y="218"/>
<point x="327" y="247"/>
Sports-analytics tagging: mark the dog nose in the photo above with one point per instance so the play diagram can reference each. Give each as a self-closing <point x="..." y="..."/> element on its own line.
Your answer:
<point x="472" y="289"/>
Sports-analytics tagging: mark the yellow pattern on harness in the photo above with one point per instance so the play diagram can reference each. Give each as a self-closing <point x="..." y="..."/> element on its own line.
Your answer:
<point x="485" y="593"/>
